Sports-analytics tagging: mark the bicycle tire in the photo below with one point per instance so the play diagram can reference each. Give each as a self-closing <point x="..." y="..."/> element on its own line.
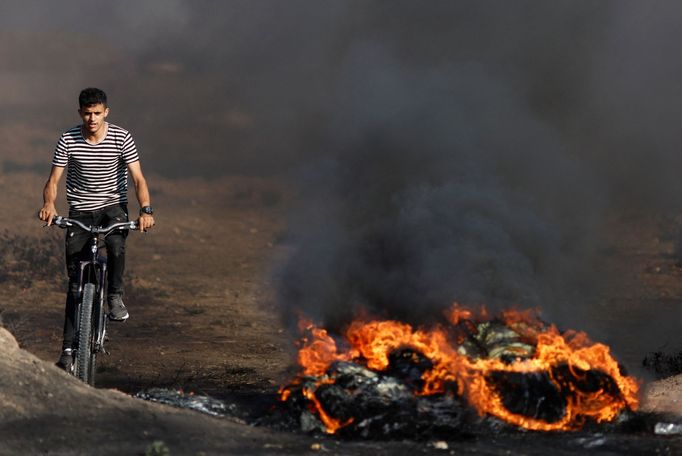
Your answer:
<point x="92" y="369"/>
<point x="98" y="324"/>
<point x="85" y="353"/>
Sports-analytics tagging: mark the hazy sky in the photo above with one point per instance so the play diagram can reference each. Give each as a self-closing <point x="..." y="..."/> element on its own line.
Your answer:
<point x="261" y="84"/>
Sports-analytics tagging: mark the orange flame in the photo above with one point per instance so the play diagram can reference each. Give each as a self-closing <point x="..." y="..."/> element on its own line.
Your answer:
<point x="331" y="424"/>
<point x="317" y="354"/>
<point x="371" y="343"/>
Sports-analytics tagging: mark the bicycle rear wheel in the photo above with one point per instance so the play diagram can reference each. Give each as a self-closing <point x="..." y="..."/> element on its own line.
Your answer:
<point x="83" y="362"/>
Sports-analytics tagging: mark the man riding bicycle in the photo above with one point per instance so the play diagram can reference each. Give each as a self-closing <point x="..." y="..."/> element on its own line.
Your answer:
<point x="98" y="157"/>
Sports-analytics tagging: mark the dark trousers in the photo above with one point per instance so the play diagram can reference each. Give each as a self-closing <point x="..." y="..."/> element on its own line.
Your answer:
<point x="78" y="249"/>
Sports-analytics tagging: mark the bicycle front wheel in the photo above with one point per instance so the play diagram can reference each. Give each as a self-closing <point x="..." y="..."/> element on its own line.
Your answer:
<point x="83" y="362"/>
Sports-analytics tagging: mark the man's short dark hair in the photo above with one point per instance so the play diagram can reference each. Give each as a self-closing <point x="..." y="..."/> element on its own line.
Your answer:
<point x="92" y="96"/>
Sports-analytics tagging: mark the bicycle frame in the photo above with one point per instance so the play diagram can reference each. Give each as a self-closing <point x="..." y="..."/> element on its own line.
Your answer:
<point x="92" y="271"/>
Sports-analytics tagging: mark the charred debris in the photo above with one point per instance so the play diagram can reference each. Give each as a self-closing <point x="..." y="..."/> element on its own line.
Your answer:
<point x="350" y="399"/>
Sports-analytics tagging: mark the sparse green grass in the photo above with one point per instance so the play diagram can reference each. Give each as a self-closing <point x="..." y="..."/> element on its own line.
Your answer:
<point x="157" y="448"/>
<point x="193" y="310"/>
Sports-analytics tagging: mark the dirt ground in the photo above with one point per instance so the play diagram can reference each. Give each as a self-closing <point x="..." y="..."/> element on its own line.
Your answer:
<point x="202" y="314"/>
<point x="204" y="319"/>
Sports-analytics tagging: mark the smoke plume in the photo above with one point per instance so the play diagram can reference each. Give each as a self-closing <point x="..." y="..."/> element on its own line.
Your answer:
<point x="442" y="151"/>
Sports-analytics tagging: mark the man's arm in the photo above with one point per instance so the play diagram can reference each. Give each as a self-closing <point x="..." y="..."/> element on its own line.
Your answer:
<point x="146" y="221"/>
<point x="48" y="210"/>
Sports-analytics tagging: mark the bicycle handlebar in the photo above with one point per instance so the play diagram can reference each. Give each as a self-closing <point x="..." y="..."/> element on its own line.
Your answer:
<point x="63" y="222"/>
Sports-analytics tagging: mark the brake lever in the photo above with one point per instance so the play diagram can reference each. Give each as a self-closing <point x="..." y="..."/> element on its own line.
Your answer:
<point x="54" y="221"/>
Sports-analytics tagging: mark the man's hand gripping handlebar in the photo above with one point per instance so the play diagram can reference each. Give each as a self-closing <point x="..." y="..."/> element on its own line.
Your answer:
<point x="63" y="222"/>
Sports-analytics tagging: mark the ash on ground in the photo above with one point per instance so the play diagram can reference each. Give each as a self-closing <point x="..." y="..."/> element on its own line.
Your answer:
<point x="180" y="399"/>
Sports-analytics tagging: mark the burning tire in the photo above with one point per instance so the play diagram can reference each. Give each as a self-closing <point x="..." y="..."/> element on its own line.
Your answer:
<point x="391" y="379"/>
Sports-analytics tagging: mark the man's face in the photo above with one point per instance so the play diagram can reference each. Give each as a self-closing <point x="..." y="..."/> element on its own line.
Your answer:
<point x="93" y="117"/>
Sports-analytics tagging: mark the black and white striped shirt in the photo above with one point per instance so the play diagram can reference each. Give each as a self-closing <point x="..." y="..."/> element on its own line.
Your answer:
<point x="97" y="174"/>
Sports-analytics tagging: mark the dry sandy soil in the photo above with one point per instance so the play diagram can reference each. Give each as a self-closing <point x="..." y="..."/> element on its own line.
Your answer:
<point x="204" y="319"/>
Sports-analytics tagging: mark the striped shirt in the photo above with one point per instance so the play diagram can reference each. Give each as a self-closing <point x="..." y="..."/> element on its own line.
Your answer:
<point x="97" y="174"/>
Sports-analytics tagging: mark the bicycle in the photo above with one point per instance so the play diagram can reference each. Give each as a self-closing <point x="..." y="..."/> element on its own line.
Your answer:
<point x="91" y="318"/>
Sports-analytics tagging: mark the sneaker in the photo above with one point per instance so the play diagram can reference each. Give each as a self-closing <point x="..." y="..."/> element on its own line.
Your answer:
<point x="117" y="311"/>
<point x="66" y="360"/>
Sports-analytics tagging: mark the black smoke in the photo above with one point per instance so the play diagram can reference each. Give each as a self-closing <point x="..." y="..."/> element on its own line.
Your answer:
<point x="442" y="184"/>
<point x="472" y="152"/>
<point x="443" y="150"/>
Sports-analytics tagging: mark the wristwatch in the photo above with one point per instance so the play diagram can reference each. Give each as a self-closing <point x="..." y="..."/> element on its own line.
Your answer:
<point x="146" y="210"/>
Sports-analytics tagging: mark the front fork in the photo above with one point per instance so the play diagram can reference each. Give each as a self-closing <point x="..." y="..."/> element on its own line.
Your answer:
<point x="94" y="273"/>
